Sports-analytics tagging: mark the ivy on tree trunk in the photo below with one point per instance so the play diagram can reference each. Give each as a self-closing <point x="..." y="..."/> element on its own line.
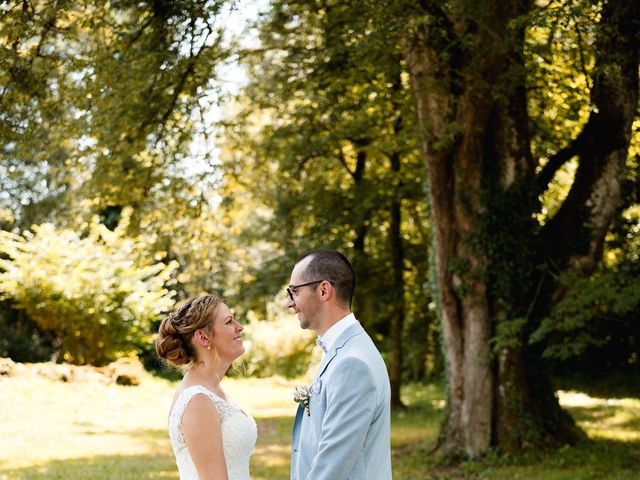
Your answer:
<point x="495" y="263"/>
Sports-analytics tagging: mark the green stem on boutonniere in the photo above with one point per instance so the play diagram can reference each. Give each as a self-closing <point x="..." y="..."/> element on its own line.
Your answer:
<point x="301" y="396"/>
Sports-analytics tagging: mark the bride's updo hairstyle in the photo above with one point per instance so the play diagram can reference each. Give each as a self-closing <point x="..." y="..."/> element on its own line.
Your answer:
<point x="176" y="331"/>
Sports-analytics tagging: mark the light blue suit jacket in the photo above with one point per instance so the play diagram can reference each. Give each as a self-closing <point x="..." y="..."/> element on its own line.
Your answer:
<point x="347" y="435"/>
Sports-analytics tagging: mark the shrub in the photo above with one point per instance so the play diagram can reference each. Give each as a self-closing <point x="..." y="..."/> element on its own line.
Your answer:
<point x="96" y="294"/>
<point x="277" y="347"/>
<point x="22" y="340"/>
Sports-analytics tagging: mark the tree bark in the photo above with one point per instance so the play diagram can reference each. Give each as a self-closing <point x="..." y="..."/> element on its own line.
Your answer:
<point x="467" y="71"/>
<point x="397" y="256"/>
<point x="398" y="309"/>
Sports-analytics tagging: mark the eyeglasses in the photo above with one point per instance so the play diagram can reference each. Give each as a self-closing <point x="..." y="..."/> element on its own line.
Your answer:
<point x="291" y="288"/>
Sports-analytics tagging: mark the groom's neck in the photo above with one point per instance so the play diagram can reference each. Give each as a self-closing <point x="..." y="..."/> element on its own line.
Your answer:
<point x="330" y="317"/>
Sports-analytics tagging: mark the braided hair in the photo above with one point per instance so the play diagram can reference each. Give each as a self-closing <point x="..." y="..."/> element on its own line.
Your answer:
<point x="176" y="331"/>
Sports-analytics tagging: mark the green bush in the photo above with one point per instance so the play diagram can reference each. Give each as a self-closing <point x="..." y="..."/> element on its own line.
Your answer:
<point x="96" y="294"/>
<point x="277" y="347"/>
<point x="21" y="339"/>
<point x="596" y="321"/>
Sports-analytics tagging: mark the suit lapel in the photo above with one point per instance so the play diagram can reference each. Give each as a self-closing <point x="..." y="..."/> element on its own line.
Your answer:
<point x="341" y="341"/>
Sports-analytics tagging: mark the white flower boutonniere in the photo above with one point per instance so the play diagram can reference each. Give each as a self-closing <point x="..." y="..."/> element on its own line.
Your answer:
<point x="301" y="396"/>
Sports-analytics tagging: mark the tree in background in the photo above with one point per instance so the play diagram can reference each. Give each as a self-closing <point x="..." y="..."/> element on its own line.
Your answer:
<point x="324" y="137"/>
<point x="99" y="101"/>
<point x="497" y="260"/>
<point x="104" y="108"/>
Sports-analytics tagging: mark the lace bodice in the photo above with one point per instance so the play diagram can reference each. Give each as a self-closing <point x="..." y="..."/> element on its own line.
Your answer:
<point x="239" y="433"/>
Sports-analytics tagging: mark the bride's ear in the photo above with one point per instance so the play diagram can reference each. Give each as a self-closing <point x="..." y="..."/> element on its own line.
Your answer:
<point x="201" y="337"/>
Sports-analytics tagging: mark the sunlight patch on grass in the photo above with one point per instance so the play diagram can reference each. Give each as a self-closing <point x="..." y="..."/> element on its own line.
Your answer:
<point x="579" y="399"/>
<point x="272" y="455"/>
<point x="88" y="430"/>
<point x="44" y="419"/>
<point x="604" y="418"/>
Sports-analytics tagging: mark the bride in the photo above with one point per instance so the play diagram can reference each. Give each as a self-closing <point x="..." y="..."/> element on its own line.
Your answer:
<point x="211" y="436"/>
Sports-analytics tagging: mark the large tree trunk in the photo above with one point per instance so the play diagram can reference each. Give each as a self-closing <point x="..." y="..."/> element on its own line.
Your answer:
<point x="464" y="130"/>
<point x="467" y="71"/>
<point x="397" y="257"/>
<point x="397" y="313"/>
<point x="398" y="308"/>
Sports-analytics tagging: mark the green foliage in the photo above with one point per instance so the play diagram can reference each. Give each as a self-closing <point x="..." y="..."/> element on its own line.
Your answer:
<point x="508" y="334"/>
<point x="326" y="128"/>
<point x="273" y="348"/>
<point x="97" y="294"/>
<point x="600" y="311"/>
<point x="22" y="340"/>
<point x="584" y="317"/>
<point x="560" y="59"/>
<point x="103" y="107"/>
<point x="98" y="106"/>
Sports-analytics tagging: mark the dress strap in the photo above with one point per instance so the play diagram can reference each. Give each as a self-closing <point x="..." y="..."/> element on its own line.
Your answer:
<point x="188" y="393"/>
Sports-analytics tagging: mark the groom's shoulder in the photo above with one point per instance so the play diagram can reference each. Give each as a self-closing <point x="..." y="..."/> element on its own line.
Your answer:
<point x="360" y="346"/>
<point x="363" y="363"/>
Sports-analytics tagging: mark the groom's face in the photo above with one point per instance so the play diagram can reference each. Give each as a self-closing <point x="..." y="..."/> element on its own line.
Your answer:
<point x="304" y="302"/>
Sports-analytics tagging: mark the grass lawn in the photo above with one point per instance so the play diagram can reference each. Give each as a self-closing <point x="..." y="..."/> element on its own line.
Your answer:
<point x="91" y="430"/>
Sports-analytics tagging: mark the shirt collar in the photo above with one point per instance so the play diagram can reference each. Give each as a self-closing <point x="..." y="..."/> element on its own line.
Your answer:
<point x="331" y="335"/>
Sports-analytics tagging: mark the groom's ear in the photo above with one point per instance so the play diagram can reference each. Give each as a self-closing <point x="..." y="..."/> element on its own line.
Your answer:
<point x="325" y="290"/>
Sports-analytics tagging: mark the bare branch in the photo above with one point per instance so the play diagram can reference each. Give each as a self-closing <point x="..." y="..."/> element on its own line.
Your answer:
<point x="343" y="161"/>
<point x="583" y="62"/>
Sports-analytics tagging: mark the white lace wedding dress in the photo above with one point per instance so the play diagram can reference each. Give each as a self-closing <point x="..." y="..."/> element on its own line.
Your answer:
<point x="239" y="435"/>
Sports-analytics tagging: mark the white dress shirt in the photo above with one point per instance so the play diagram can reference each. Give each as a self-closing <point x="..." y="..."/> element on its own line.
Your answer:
<point x="331" y="335"/>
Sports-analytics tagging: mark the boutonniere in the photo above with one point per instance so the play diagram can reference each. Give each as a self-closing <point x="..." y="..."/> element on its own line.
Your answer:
<point x="301" y="396"/>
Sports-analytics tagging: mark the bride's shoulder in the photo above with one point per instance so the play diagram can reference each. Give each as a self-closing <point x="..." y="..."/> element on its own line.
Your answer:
<point x="188" y="394"/>
<point x="186" y="391"/>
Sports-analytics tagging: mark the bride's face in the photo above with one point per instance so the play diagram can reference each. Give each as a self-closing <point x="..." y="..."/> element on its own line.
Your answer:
<point x="227" y="334"/>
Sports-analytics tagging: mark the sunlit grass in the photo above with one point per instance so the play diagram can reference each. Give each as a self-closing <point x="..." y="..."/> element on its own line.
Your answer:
<point x="610" y="419"/>
<point x="92" y="430"/>
<point x="52" y="429"/>
<point x="612" y="451"/>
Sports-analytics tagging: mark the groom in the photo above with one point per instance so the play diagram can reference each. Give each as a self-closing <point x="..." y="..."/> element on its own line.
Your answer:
<point x="344" y="434"/>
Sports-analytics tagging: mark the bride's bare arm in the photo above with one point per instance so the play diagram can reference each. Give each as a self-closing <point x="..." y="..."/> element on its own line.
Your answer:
<point x="203" y="436"/>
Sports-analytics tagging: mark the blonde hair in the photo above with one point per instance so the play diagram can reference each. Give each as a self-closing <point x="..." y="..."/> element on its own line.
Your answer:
<point x="174" y="342"/>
